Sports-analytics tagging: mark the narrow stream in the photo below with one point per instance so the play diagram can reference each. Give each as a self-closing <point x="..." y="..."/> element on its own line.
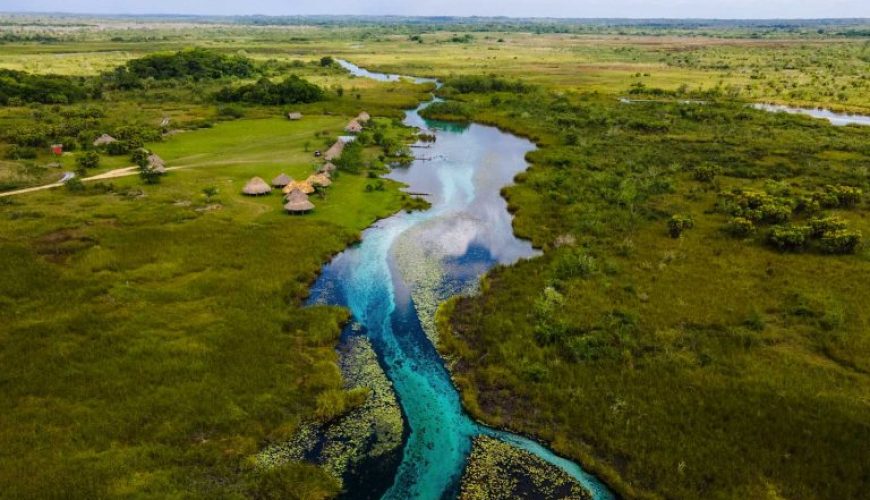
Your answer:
<point x="825" y="114"/>
<point x="408" y="263"/>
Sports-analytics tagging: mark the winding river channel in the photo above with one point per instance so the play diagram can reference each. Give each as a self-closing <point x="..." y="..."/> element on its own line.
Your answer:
<point x="406" y="264"/>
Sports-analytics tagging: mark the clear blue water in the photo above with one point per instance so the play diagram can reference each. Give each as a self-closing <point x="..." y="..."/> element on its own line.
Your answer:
<point x="442" y="250"/>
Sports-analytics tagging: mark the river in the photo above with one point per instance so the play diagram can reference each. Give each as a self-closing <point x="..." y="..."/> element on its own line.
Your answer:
<point x="406" y="264"/>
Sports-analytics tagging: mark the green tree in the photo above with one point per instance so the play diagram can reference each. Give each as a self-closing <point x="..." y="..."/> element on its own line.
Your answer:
<point x="88" y="159"/>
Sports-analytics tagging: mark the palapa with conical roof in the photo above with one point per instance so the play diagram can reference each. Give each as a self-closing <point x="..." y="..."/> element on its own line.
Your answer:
<point x="353" y="127"/>
<point x="334" y="151"/>
<point x="303" y="186"/>
<point x="156" y="164"/>
<point x="104" y="140"/>
<point x="281" y="181"/>
<point x="363" y="117"/>
<point x="297" y="202"/>
<point x="319" y="180"/>
<point x="327" y="168"/>
<point x="256" y="186"/>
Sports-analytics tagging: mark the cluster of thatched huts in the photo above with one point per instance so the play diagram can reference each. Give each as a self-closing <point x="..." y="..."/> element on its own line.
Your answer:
<point x="295" y="192"/>
<point x="356" y="125"/>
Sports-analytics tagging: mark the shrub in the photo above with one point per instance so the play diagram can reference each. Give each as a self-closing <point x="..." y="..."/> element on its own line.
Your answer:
<point x="705" y="173"/>
<point x="679" y="223"/>
<point x="140" y="157"/>
<point x="789" y="238"/>
<point x="841" y="241"/>
<point x="575" y="264"/>
<point x="846" y="196"/>
<point x="231" y="112"/>
<point x="16" y="152"/>
<point x="74" y="185"/>
<point x="822" y="225"/>
<point x="740" y="227"/>
<point x="88" y="159"/>
<point x="775" y="213"/>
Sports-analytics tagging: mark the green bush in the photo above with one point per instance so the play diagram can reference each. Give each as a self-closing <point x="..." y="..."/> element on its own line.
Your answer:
<point x="575" y="264"/>
<point x="789" y="238"/>
<point x="231" y="112"/>
<point x="841" y="241"/>
<point x="88" y="159"/>
<point x="775" y="213"/>
<point x="846" y="196"/>
<point x="740" y="227"/>
<point x="822" y="225"/>
<point x="140" y="157"/>
<point x="16" y="152"/>
<point x="74" y="185"/>
<point x="679" y="223"/>
<point x="705" y="173"/>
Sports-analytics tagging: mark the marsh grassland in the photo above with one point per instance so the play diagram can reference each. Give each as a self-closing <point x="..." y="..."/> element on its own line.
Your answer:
<point x="695" y="328"/>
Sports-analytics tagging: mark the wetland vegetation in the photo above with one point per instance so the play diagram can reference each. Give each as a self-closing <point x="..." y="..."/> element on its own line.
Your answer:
<point x="695" y="326"/>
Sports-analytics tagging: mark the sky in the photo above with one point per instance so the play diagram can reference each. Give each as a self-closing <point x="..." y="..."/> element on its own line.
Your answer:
<point x="722" y="9"/>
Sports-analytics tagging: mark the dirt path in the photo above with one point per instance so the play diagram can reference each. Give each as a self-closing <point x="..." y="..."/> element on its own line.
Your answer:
<point x="111" y="174"/>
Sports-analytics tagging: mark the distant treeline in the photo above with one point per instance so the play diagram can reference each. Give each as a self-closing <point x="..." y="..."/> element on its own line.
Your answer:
<point x="18" y="87"/>
<point x="30" y="37"/>
<point x="47" y="89"/>
<point x="713" y="27"/>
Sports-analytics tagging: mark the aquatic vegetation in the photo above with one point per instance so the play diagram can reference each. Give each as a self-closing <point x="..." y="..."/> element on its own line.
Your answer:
<point x="498" y="470"/>
<point x="348" y="445"/>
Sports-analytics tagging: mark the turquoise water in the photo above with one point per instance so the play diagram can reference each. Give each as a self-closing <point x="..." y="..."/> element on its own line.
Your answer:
<point x="409" y="261"/>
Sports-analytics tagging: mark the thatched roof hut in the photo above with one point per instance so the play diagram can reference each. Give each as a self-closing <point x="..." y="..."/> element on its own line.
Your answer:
<point x="354" y="127"/>
<point x="363" y="117"/>
<point x="334" y="151"/>
<point x="297" y="202"/>
<point x="256" y="186"/>
<point x="156" y="163"/>
<point x="327" y="168"/>
<point x="319" y="180"/>
<point x="104" y="140"/>
<point x="294" y="115"/>
<point x="303" y="186"/>
<point x="281" y="181"/>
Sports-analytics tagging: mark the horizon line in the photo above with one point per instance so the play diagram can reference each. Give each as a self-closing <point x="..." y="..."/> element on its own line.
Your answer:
<point x="447" y="16"/>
